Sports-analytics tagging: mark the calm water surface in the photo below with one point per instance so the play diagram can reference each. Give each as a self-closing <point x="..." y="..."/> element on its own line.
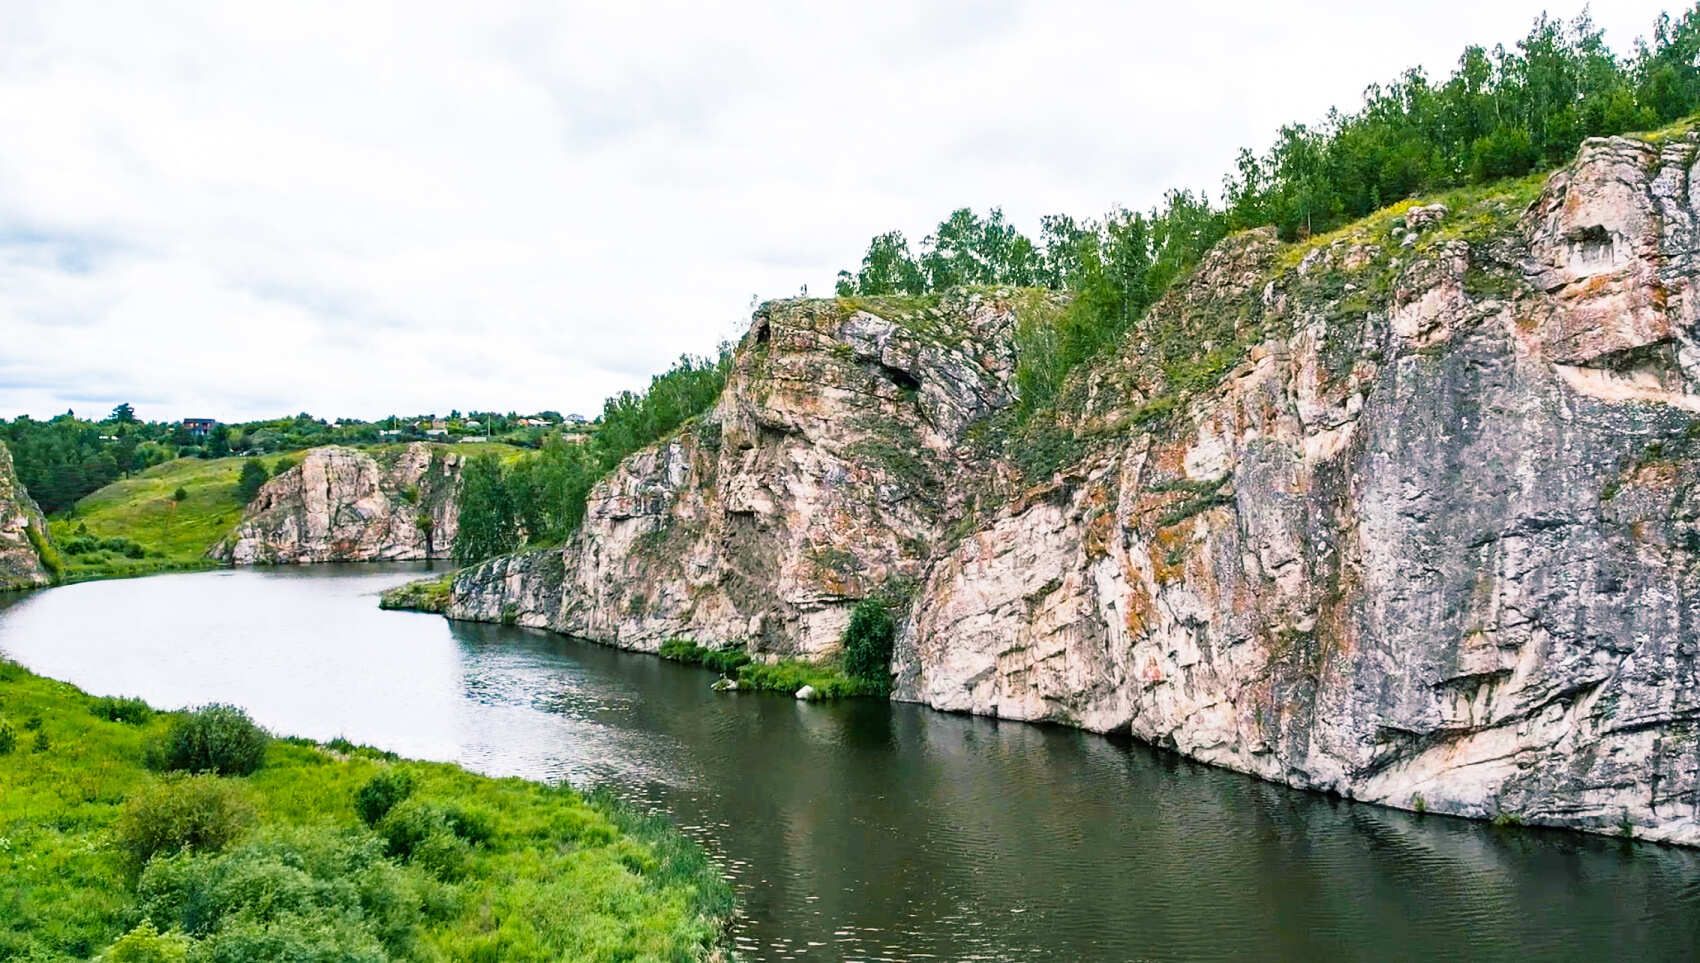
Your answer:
<point x="870" y="831"/>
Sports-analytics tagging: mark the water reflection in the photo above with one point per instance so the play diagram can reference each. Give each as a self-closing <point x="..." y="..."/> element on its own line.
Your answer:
<point x="862" y="830"/>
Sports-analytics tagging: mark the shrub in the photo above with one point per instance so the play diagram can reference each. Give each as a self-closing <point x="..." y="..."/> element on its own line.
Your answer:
<point x="381" y="793"/>
<point x="181" y="494"/>
<point x="214" y="738"/>
<point x="309" y="894"/>
<point x="122" y="709"/>
<point x="146" y="944"/>
<point x="180" y="813"/>
<point x="41" y="743"/>
<point x="8" y="738"/>
<point x="436" y="836"/>
<point x="867" y="643"/>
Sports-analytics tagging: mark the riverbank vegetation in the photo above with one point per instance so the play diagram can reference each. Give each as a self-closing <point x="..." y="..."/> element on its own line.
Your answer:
<point x="137" y="525"/>
<point x="1502" y="113"/>
<point x="862" y="667"/>
<point x="541" y="498"/>
<point x="422" y="595"/>
<point x="119" y="840"/>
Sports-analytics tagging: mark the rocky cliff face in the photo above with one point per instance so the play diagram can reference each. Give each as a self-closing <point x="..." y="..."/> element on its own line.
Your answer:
<point x="1409" y="514"/>
<point x="348" y="505"/>
<point x="23" y="533"/>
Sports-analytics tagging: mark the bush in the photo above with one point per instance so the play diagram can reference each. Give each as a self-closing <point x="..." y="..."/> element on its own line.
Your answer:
<point x="41" y="743"/>
<point x="201" y="813"/>
<point x="8" y="738"/>
<point x="145" y="944"/>
<point x="181" y="494"/>
<point x="436" y="836"/>
<point x="122" y="709"/>
<point x="867" y="643"/>
<point x="381" y="793"/>
<point x="308" y="894"/>
<point x="214" y="738"/>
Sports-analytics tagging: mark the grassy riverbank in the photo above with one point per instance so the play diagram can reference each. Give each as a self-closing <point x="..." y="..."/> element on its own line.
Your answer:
<point x="137" y="525"/>
<point x="324" y="852"/>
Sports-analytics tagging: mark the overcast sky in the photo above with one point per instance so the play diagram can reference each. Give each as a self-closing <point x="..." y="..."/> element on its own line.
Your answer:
<point x="245" y="210"/>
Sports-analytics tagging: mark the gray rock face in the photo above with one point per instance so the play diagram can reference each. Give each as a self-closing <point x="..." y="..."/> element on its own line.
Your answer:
<point x="21" y="529"/>
<point x="348" y="505"/>
<point x="1430" y="539"/>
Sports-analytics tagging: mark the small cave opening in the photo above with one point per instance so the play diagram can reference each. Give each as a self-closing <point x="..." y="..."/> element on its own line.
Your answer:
<point x="901" y="378"/>
<point x="764" y="333"/>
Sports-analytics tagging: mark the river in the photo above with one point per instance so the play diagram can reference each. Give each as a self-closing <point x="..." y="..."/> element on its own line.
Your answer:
<point x="865" y="830"/>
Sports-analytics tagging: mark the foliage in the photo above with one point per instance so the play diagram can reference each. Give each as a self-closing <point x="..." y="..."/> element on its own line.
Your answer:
<point x="421" y="595"/>
<point x="180" y="812"/>
<point x="380" y="794"/>
<point x="45" y="549"/>
<point x="253" y="476"/>
<point x="543" y="497"/>
<point x="828" y="679"/>
<point x="214" y="738"/>
<point x="146" y="944"/>
<point x="8" y="738"/>
<point x="121" y="709"/>
<point x="489" y="525"/>
<point x="868" y="642"/>
<point x="1501" y="113"/>
<point x="543" y="872"/>
<point x="110" y="526"/>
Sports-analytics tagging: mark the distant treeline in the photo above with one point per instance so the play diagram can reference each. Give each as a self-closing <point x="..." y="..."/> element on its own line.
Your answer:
<point x="541" y="498"/>
<point x="1502" y="113"/>
<point x="63" y="458"/>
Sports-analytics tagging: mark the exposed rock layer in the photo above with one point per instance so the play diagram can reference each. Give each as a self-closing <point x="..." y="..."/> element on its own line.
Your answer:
<point x="1427" y="536"/>
<point x="22" y="531"/>
<point x="349" y="505"/>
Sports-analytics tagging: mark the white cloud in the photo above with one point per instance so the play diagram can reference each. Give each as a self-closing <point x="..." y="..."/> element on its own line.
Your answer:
<point x="356" y="209"/>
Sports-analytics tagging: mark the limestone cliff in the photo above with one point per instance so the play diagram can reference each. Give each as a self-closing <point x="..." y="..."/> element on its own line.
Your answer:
<point x="1410" y="513"/>
<point x="23" y="533"/>
<point x="350" y="505"/>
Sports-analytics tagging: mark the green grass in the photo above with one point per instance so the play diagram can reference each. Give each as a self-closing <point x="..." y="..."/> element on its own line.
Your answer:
<point x="174" y="535"/>
<point x="785" y="676"/>
<point x="552" y="874"/>
<point x="423" y="595"/>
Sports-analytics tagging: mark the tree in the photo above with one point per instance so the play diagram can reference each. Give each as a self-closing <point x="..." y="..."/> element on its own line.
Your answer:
<point x="868" y="643"/>
<point x="252" y="477"/>
<point x="124" y="414"/>
<point x="181" y="494"/>
<point x="488" y="526"/>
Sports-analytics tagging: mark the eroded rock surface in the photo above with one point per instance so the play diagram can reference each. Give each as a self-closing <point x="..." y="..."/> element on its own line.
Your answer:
<point x="1416" y="521"/>
<point x="22" y="530"/>
<point x="349" y="505"/>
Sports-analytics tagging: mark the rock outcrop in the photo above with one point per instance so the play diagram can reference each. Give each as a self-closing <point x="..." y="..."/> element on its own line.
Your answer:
<point x="23" y="533"/>
<point x="1409" y="514"/>
<point x="349" y="505"/>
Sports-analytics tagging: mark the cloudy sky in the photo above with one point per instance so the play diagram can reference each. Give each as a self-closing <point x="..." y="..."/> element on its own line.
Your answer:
<point x="251" y="209"/>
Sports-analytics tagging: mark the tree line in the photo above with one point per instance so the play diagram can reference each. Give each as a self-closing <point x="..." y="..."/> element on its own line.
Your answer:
<point x="1504" y="112"/>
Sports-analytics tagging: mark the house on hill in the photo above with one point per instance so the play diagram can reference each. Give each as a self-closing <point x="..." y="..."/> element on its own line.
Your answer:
<point x="199" y="427"/>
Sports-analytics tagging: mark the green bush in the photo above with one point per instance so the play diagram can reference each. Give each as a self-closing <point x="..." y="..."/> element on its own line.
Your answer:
<point x="122" y="709"/>
<point x="381" y="793"/>
<point x="146" y="944"/>
<point x="867" y="643"/>
<point x="8" y="738"/>
<point x="311" y="895"/>
<point x="202" y="813"/>
<point x="214" y="738"/>
<point x="41" y="743"/>
<point x="437" y="836"/>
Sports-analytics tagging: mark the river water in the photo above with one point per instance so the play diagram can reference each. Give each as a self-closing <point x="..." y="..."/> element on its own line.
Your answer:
<point x="864" y="830"/>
